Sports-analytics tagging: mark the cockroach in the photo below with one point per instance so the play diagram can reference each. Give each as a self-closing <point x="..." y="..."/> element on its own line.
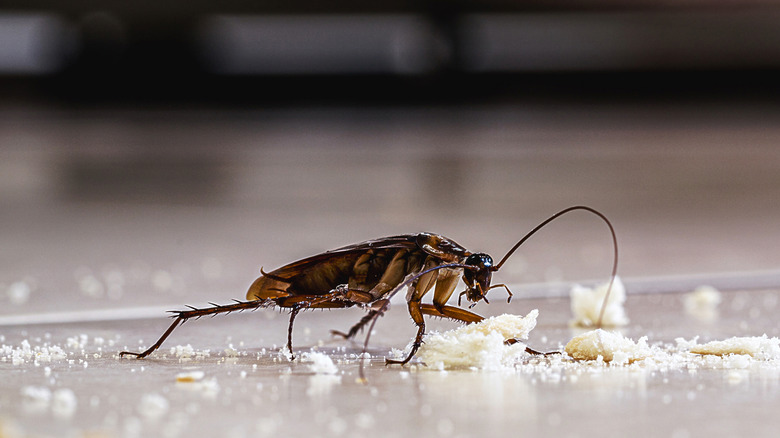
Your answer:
<point x="370" y="273"/>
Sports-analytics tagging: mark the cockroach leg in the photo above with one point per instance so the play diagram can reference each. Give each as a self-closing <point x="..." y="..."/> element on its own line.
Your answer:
<point x="293" y="314"/>
<point x="376" y="308"/>
<point x="509" y="292"/>
<point x="530" y="350"/>
<point x="184" y="315"/>
<point x="357" y="327"/>
<point x="176" y="322"/>
<point x="540" y="353"/>
<point x="416" y="311"/>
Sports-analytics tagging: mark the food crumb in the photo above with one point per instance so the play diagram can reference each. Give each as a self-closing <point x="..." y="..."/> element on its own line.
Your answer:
<point x="190" y="376"/>
<point x="19" y="292"/>
<point x="758" y="347"/>
<point x="586" y="304"/>
<point x="319" y="363"/>
<point x="479" y="346"/>
<point x="609" y="346"/>
<point x="703" y="303"/>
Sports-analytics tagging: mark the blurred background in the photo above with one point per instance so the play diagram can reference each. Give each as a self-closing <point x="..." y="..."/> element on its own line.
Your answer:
<point x="156" y="153"/>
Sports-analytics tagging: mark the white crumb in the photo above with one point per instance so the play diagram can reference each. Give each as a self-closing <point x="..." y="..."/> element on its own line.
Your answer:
<point x="186" y="353"/>
<point x="586" y="305"/>
<point x="27" y="353"/>
<point x="703" y="303"/>
<point x="231" y="352"/>
<point x="190" y="376"/>
<point x="609" y="346"/>
<point x="319" y="363"/>
<point x="183" y="351"/>
<point x="758" y="347"/>
<point x="19" y="292"/>
<point x="207" y="387"/>
<point x="480" y="345"/>
<point x="63" y="403"/>
<point x="153" y="406"/>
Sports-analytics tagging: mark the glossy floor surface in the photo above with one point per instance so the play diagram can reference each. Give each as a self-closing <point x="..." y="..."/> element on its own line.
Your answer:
<point x="110" y="218"/>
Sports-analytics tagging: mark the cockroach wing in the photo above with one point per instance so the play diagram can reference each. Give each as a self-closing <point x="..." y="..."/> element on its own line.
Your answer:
<point x="321" y="273"/>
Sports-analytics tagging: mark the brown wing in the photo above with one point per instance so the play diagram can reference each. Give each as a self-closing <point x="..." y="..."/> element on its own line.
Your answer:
<point x="321" y="273"/>
<point x="339" y="255"/>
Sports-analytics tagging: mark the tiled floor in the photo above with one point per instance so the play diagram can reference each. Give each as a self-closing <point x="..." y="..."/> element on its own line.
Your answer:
<point x="110" y="218"/>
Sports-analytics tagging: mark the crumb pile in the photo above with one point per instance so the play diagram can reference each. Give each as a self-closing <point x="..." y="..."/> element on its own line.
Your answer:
<point x="481" y="345"/>
<point x="609" y="346"/>
<point x="757" y="347"/>
<point x="599" y="346"/>
<point x="703" y="303"/>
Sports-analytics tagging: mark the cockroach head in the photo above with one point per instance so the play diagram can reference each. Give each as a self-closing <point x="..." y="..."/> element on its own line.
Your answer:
<point x="478" y="278"/>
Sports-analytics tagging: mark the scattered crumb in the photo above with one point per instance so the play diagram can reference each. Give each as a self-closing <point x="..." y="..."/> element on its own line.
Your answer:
<point x="758" y="347"/>
<point x="319" y="363"/>
<point x="19" y="292"/>
<point x="609" y="346"/>
<point x="703" y="303"/>
<point x="479" y="345"/>
<point x="183" y="351"/>
<point x="231" y="352"/>
<point x="209" y="388"/>
<point x="190" y="376"/>
<point x="586" y="304"/>
<point x="186" y="353"/>
<point x="27" y="353"/>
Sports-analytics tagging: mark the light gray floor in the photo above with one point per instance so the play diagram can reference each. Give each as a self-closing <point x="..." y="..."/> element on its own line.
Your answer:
<point x="109" y="218"/>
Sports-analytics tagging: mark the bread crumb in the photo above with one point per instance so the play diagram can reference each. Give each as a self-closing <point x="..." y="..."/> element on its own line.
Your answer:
<point x="703" y="303"/>
<point x="319" y="363"/>
<point x="480" y="345"/>
<point x="191" y="376"/>
<point x="758" y="347"/>
<point x="586" y="304"/>
<point x="609" y="346"/>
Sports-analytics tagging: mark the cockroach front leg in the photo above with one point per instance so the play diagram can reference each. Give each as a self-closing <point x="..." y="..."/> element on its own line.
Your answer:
<point x="415" y="311"/>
